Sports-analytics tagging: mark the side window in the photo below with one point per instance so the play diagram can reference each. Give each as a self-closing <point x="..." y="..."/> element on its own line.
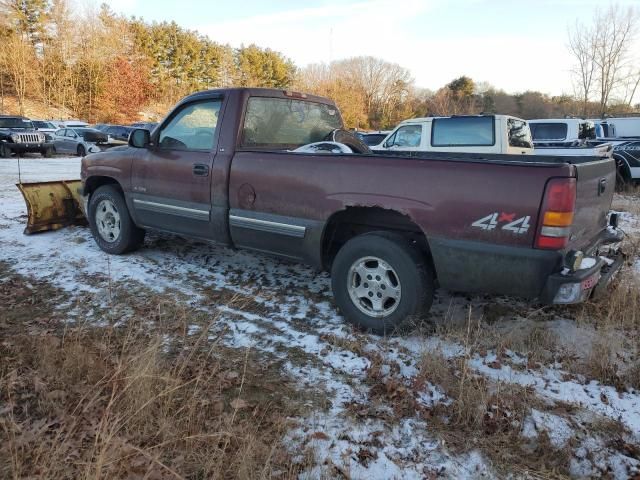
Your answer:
<point x="69" y="133"/>
<point x="192" y="128"/>
<point x="391" y="140"/>
<point x="463" y="131"/>
<point x="61" y="132"/>
<point x="587" y="130"/>
<point x="519" y="134"/>
<point x="407" y="136"/>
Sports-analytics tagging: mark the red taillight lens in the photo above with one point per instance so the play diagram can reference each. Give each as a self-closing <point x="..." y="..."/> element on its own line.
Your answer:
<point x="560" y="195"/>
<point x="556" y="215"/>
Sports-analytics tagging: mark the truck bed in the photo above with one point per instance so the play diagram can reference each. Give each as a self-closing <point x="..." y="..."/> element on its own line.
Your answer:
<point x="496" y="158"/>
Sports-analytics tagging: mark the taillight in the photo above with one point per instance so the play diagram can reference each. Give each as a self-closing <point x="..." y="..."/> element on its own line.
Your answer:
<point x="556" y="216"/>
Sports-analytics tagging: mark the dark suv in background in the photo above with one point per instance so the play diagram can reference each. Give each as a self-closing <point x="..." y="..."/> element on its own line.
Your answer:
<point x="19" y="135"/>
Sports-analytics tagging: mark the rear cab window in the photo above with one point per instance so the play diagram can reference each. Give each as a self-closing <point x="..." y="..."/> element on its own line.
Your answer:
<point x="283" y="124"/>
<point x="463" y="132"/>
<point x="549" y="131"/>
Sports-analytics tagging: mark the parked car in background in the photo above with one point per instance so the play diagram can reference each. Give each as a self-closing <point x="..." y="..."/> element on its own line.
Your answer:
<point x="76" y="124"/>
<point x="562" y="132"/>
<point x="568" y="136"/>
<point x="461" y="133"/>
<point x="622" y="127"/>
<point x="118" y="132"/>
<point x="147" y="126"/>
<point x="627" y="157"/>
<point x="372" y="138"/>
<point x="101" y="126"/>
<point x="18" y="135"/>
<point x="79" y="141"/>
<point x="45" y="127"/>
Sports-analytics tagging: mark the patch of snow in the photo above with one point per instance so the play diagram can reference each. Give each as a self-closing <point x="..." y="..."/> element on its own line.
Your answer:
<point x="557" y="428"/>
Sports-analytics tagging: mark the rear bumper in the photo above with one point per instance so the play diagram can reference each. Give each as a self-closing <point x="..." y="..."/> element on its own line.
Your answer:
<point x="469" y="266"/>
<point x="578" y="286"/>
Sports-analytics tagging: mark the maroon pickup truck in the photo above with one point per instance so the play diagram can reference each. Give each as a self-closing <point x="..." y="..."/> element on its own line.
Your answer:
<point x="272" y="171"/>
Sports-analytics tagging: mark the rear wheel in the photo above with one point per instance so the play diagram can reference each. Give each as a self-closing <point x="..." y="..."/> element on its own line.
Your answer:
<point x="81" y="151"/>
<point x="5" y="152"/>
<point x="111" y="224"/>
<point x="381" y="281"/>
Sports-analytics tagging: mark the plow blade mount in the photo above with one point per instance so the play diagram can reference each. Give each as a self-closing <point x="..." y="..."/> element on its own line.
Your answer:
<point x="52" y="205"/>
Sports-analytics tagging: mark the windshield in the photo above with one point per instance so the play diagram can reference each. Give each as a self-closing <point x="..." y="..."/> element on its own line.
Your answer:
<point x="283" y="123"/>
<point x="85" y="130"/>
<point x="548" y="131"/>
<point x="15" y="123"/>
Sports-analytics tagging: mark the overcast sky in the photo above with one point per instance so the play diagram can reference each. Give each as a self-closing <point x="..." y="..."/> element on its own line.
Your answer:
<point x="512" y="45"/>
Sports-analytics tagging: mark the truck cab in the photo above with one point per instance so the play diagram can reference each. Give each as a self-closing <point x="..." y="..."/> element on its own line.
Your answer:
<point x="562" y="132"/>
<point x="491" y="134"/>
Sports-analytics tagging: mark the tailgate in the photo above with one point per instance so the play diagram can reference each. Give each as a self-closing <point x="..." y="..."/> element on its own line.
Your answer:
<point x="596" y="182"/>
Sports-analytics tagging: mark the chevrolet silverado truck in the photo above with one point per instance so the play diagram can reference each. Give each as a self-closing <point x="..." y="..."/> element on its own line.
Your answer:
<point x="18" y="135"/>
<point x="273" y="171"/>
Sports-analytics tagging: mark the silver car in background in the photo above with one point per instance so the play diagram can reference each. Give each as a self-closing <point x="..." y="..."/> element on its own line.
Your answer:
<point x="79" y="141"/>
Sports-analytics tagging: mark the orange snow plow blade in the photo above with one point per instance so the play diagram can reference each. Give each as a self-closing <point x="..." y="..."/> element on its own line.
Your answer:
<point x="52" y="205"/>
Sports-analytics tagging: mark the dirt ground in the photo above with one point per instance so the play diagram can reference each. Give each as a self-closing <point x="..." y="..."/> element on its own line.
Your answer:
<point x="191" y="360"/>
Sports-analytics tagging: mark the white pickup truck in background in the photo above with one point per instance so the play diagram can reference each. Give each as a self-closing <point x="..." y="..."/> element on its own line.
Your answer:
<point x="567" y="136"/>
<point x="461" y="133"/>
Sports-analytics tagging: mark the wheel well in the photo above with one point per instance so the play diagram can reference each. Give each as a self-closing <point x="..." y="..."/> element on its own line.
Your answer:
<point x="623" y="167"/>
<point x="354" y="221"/>
<point x="93" y="183"/>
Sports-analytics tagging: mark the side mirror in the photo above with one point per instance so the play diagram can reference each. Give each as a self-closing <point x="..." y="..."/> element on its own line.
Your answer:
<point x="139" y="138"/>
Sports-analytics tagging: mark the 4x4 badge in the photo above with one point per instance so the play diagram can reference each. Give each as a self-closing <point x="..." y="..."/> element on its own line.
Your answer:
<point x="516" y="225"/>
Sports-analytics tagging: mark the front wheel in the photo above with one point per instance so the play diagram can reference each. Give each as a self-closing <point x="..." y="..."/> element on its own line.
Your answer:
<point x="47" y="152"/>
<point x="5" y="152"/>
<point x="111" y="225"/>
<point x="81" y="151"/>
<point x="380" y="281"/>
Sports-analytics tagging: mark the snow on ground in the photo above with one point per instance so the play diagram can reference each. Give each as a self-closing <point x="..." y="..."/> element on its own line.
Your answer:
<point x="286" y="310"/>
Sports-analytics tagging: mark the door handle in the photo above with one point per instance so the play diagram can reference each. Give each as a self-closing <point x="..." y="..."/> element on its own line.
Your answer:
<point x="602" y="186"/>
<point x="200" y="170"/>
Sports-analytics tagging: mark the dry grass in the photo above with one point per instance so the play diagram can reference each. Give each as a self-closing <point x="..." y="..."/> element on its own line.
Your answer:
<point x="129" y="402"/>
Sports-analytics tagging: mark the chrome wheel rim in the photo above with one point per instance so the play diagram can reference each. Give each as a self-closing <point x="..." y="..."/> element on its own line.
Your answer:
<point x="374" y="287"/>
<point x="108" y="221"/>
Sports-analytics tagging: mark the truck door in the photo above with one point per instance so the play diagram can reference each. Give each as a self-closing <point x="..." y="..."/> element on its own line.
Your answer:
<point x="171" y="179"/>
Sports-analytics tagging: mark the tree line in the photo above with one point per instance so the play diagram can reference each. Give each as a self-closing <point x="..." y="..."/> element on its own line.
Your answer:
<point x="104" y="67"/>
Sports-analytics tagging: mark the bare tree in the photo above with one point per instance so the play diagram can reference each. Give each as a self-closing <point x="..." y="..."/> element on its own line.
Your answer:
<point x="603" y="53"/>
<point x="631" y="83"/>
<point x="17" y="60"/>
<point x="615" y="31"/>
<point x="582" y="44"/>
